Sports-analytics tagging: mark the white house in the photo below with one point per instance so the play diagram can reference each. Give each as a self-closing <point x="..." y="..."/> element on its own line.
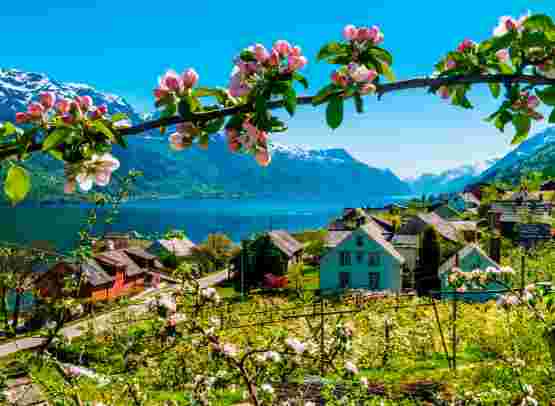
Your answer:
<point x="360" y="259"/>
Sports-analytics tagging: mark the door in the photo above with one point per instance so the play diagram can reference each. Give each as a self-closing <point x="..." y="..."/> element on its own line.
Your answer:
<point x="344" y="280"/>
<point x="373" y="280"/>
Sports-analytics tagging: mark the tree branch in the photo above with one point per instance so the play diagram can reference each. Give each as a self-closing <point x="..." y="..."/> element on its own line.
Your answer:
<point x="381" y="89"/>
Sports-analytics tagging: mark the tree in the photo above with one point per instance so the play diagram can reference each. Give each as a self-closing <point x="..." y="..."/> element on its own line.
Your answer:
<point x="427" y="275"/>
<point x="221" y="248"/>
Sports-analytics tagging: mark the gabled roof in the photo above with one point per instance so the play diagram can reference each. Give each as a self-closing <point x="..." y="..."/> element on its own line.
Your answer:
<point x="285" y="242"/>
<point x="374" y="232"/>
<point x="383" y="223"/>
<point x="470" y="198"/>
<point x="140" y="253"/>
<point x="451" y="262"/>
<point x="94" y="274"/>
<point x="334" y="238"/>
<point x="178" y="247"/>
<point x="464" y="225"/>
<point x="118" y="258"/>
<point x="405" y="240"/>
<point x="442" y="226"/>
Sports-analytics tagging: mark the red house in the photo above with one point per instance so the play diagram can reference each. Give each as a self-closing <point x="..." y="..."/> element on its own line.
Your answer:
<point x="128" y="277"/>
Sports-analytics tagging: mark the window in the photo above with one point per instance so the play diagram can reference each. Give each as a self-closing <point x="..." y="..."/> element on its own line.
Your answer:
<point x="373" y="280"/>
<point x="373" y="259"/>
<point x="344" y="258"/>
<point x="344" y="280"/>
<point x="360" y="257"/>
<point x="360" y="241"/>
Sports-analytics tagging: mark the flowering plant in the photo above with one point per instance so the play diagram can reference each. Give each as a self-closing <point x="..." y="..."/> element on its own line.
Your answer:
<point x="363" y="62"/>
<point x="518" y="46"/>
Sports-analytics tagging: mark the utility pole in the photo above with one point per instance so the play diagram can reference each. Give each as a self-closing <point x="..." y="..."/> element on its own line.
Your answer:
<point x="242" y="269"/>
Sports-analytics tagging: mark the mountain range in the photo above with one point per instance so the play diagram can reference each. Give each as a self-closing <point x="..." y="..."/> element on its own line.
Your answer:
<point x="293" y="173"/>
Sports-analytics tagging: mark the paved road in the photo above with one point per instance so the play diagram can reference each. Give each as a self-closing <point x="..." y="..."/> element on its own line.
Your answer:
<point x="100" y="323"/>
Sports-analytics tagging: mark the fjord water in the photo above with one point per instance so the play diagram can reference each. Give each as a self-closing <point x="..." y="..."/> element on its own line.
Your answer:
<point x="238" y="218"/>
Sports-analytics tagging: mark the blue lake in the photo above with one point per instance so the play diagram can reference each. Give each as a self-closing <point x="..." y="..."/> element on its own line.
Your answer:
<point x="238" y="218"/>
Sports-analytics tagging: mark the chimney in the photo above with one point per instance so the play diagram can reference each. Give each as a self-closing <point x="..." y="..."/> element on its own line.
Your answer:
<point x="495" y="248"/>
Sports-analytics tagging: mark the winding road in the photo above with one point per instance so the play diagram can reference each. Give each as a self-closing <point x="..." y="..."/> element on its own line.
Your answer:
<point x="101" y="322"/>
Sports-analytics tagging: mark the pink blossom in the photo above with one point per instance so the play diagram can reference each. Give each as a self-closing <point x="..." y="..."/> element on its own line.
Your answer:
<point x="35" y="110"/>
<point x="189" y="78"/>
<point x="237" y="88"/>
<point x="364" y="34"/>
<point x="466" y="44"/>
<point x="261" y="53"/>
<point x="21" y="117"/>
<point x="350" y="32"/>
<point x="461" y="289"/>
<point x="67" y="119"/>
<point x="296" y="62"/>
<point x="69" y="186"/>
<point x="102" y="109"/>
<point x="85" y="102"/>
<point x="503" y="55"/>
<point x="296" y="51"/>
<point x="230" y="350"/>
<point x="351" y="367"/>
<point x="283" y="47"/>
<point x="103" y="177"/>
<point x="450" y="64"/>
<point x="48" y="99"/>
<point x="171" y="81"/>
<point x="375" y="33"/>
<point x="263" y="157"/>
<point x="379" y="38"/>
<point x="506" y="23"/>
<point x="274" y="58"/>
<point x="444" y="92"/>
<point x="296" y="345"/>
<point x="533" y="102"/>
<point x="368" y="88"/>
<point x="160" y="93"/>
<point x="63" y="106"/>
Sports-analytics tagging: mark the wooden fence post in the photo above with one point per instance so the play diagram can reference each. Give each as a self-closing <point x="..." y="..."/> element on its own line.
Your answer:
<point x="386" y="342"/>
<point x="455" y="332"/>
<point x="322" y="347"/>
<point x="441" y="334"/>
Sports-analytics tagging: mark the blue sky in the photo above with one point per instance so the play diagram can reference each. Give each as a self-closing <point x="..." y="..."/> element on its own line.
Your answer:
<point x="123" y="46"/>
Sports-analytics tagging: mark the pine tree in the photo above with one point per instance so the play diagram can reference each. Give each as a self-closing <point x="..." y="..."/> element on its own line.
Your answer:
<point x="427" y="277"/>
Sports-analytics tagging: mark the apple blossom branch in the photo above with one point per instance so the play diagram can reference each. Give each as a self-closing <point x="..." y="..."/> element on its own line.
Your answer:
<point x="381" y="89"/>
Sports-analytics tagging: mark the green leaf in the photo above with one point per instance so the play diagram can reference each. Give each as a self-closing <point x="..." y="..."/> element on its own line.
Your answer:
<point x="502" y="119"/>
<point x="260" y="105"/>
<point x="290" y="99"/>
<point x="359" y="104"/>
<point x="214" y="125"/>
<point x="539" y="22"/>
<point x="301" y="79"/>
<point x="118" y="117"/>
<point x="547" y="95"/>
<point x="505" y="69"/>
<point x="388" y="73"/>
<point x="495" y="89"/>
<point x="56" y="154"/>
<point x="334" y="112"/>
<point x="17" y="184"/>
<point x="7" y="129"/>
<point x="55" y="138"/>
<point x="522" y="124"/>
<point x="121" y="140"/>
<point x="331" y="49"/>
<point x="552" y="116"/>
<point x="184" y="108"/>
<point x="323" y="93"/>
<point x="101" y="127"/>
<point x="382" y="54"/>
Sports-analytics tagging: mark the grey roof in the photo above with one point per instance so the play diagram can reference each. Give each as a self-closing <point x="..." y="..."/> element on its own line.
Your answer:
<point x="139" y="252"/>
<point x="120" y="259"/>
<point x="334" y="238"/>
<point x="178" y="247"/>
<point x="451" y="262"/>
<point x="470" y="198"/>
<point x="94" y="273"/>
<point x="375" y="233"/>
<point x="405" y="240"/>
<point x="285" y="242"/>
<point x="417" y="223"/>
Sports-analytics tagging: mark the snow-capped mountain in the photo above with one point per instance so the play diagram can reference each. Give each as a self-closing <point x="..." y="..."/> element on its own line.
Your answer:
<point x="293" y="172"/>
<point x="451" y="180"/>
<point x="522" y="153"/>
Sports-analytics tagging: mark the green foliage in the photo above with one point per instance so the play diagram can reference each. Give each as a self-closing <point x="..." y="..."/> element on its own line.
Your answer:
<point x="17" y="184"/>
<point x="334" y="112"/>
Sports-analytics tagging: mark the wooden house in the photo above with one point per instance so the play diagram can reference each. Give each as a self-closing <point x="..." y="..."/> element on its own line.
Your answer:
<point x="418" y="223"/>
<point x="467" y="229"/>
<point x="505" y="214"/>
<point x="360" y="259"/>
<point x="128" y="277"/>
